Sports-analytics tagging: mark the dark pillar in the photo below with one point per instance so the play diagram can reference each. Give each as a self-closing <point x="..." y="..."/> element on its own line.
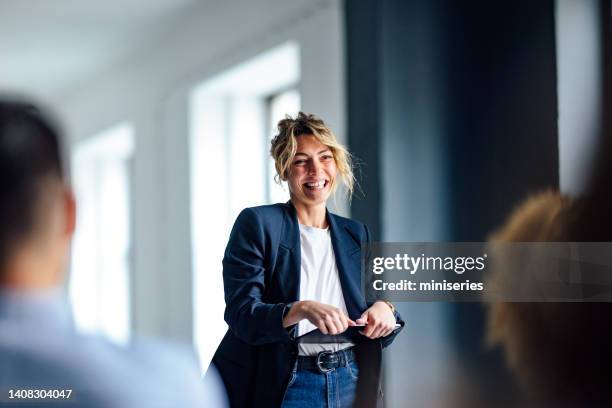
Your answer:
<point x="362" y="20"/>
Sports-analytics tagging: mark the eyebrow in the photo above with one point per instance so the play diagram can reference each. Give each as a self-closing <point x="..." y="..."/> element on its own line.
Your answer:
<point x="304" y="154"/>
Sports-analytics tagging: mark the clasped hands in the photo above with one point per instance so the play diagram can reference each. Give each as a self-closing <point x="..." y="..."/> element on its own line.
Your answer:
<point x="379" y="319"/>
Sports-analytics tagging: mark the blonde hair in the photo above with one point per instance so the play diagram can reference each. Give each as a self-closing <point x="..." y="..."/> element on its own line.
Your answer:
<point x="284" y="147"/>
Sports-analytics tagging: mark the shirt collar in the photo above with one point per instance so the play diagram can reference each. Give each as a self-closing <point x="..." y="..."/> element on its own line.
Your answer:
<point x="44" y="306"/>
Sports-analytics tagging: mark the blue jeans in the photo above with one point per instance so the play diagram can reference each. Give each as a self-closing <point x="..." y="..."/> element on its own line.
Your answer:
<point x="313" y="389"/>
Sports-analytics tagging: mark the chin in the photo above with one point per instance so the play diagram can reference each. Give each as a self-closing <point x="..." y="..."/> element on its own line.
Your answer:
<point x="309" y="201"/>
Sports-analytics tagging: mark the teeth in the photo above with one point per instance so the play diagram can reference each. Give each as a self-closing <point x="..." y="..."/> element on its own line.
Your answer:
<point x="317" y="184"/>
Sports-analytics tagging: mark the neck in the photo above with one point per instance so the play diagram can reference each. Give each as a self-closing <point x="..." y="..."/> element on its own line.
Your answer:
<point x="312" y="216"/>
<point x="27" y="270"/>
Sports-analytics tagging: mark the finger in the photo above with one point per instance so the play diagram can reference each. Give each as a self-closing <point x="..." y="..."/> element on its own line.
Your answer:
<point x="371" y="325"/>
<point x="375" y="329"/>
<point x="334" y="325"/>
<point x="352" y="322"/>
<point x="348" y="321"/>
<point x="331" y="325"/>
<point x="322" y="327"/>
<point x="369" y="330"/>
<point x="379" y="331"/>
<point x="361" y="321"/>
<point x="383" y="331"/>
<point x="382" y="328"/>
<point x="341" y="322"/>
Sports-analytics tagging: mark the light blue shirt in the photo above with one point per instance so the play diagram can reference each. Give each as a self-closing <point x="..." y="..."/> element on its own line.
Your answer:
<point x="40" y="350"/>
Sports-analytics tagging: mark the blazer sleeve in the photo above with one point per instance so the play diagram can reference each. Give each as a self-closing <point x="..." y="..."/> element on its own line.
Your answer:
<point x="385" y="341"/>
<point x="249" y="318"/>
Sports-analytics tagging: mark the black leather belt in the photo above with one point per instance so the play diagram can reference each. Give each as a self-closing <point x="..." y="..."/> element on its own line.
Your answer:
<point x="326" y="360"/>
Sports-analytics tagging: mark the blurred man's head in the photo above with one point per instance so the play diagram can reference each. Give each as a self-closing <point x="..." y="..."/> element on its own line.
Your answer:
<point x="37" y="211"/>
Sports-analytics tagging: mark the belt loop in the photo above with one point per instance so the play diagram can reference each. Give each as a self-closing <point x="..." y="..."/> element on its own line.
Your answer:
<point x="295" y="365"/>
<point x="347" y="353"/>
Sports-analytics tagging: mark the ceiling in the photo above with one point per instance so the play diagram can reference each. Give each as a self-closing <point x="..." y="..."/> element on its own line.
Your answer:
<point x="46" y="46"/>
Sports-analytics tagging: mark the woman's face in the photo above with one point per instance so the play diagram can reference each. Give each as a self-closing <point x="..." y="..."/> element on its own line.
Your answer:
<point x="312" y="172"/>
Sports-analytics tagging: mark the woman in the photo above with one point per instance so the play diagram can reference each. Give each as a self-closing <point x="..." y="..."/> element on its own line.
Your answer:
<point x="291" y="268"/>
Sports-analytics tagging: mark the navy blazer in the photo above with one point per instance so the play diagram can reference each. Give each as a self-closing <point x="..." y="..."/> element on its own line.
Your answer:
<point x="261" y="275"/>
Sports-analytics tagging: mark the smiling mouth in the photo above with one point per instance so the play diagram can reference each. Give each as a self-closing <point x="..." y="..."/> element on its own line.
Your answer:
<point x="316" y="185"/>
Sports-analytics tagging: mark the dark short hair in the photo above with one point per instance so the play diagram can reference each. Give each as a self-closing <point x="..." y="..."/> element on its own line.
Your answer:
<point x="29" y="159"/>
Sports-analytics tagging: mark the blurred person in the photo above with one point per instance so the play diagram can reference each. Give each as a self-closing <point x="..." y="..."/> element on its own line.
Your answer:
<point x="295" y="267"/>
<point x="560" y="352"/>
<point x="42" y="357"/>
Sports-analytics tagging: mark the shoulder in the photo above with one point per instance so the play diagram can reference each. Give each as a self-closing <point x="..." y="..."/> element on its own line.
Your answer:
<point x="266" y="211"/>
<point x="101" y="373"/>
<point x="263" y="215"/>
<point x="143" y="373"/>
<point x="357" y="228"/>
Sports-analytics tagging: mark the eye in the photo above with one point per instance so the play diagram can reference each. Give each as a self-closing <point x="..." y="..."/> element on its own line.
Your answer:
<point x="299" y="162"/>
<point x="327" y="157"/>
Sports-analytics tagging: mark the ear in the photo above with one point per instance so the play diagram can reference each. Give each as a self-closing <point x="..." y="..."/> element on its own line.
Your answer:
<point x="69" y="212"/>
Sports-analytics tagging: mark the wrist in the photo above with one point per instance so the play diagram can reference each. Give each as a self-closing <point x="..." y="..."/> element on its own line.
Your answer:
<point x="299" y="309"/>
<point x="387" y="304"/>
<point x="293" y="313"/>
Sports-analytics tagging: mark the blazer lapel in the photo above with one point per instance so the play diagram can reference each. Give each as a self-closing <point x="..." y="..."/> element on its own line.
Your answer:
<point x="347" y="251"/>
<point x="289" y="256"/>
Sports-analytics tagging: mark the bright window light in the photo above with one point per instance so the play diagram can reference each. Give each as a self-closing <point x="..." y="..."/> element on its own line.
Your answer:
<point x="99" y="280"/>
<point x="230" y="118"/>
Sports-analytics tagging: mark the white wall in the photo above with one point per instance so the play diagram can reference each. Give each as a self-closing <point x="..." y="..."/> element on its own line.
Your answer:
<point x="151" y="90"/>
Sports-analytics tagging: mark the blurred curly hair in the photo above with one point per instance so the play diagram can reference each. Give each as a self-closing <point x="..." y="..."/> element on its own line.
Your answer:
<point x="558" y="351"/>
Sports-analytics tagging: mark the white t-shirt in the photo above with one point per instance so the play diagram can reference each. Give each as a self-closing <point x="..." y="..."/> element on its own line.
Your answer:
<point x="319" y="281"/>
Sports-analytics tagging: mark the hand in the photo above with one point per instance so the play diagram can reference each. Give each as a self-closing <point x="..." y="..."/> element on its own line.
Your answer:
<point x="379" y="319"/>
<point x="328" y="319"/>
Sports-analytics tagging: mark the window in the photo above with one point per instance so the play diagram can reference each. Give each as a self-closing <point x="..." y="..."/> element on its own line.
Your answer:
<point x="231" y="116"/>
<point x="99" y="281"/>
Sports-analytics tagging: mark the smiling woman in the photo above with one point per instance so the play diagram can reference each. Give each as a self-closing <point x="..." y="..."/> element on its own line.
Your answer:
<point x="291" y="152"/>
<point x="293" y="268"/>
<point x="313" y="170"/>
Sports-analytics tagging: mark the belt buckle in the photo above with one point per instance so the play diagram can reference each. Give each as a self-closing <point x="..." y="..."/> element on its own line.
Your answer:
<point x="319" y="361"/>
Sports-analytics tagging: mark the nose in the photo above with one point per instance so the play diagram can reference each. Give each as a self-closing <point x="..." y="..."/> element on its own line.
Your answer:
<point x="314" y="167"/>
